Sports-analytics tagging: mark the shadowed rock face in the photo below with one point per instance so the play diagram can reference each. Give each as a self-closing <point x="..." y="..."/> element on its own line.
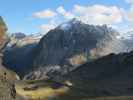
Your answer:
<point x="19" y="59"/>
<point x="19" y="55"/>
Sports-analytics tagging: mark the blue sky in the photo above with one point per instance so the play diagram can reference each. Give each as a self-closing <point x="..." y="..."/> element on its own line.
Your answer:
<point x="33" y="16"/>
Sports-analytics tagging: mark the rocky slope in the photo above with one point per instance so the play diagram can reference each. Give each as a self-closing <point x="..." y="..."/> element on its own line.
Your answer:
<point x="108" y="76"/>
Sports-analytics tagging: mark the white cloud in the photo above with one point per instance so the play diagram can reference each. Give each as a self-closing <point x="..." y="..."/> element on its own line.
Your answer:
<point x="98" y="14"/>
<point x="95" y="14"/>
<point x="62" y="11"/>
<point x="45" y="14"/>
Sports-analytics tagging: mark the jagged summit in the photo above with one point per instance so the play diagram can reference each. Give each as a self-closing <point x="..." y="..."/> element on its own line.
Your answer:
<point x="78" y="27"/>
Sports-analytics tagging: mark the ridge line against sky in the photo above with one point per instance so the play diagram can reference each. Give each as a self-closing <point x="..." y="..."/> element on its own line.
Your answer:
<point x="33" y="16"/>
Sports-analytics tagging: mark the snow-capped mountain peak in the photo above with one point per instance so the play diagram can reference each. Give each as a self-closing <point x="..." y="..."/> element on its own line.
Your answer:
<point x="67" y="25"/>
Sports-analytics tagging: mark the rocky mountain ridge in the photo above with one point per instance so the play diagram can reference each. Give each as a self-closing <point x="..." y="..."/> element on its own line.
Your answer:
<point x="71" y="44"/>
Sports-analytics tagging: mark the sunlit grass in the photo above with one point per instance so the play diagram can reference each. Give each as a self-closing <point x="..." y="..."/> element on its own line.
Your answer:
<point x="42" y="92"/>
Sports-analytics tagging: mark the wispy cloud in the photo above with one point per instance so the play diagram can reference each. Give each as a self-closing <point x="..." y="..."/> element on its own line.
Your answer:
<point x="45" y="14"/>
<point x="62" y="11"/>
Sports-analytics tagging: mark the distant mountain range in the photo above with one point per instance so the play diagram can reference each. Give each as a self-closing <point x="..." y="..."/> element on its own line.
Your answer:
<point x="127" y="36"/>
